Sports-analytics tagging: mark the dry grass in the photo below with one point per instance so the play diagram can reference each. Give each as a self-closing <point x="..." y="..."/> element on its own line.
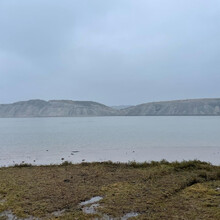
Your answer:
<point x="157" y="190"/>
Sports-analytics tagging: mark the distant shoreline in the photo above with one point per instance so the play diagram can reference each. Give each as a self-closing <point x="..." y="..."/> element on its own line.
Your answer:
<point x="69" y="108"/>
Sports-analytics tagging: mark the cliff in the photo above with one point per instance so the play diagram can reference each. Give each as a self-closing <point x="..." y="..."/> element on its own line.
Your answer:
<point x="179" y="107"/>
<point x="68" y="108"/>
<point x="55" y="108"/>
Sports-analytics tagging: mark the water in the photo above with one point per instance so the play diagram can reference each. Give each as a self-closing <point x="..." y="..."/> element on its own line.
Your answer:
<point x="54" y="140"/>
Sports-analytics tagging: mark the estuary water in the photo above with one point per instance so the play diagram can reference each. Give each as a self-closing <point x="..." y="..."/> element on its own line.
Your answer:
<point x="54" y="140"/>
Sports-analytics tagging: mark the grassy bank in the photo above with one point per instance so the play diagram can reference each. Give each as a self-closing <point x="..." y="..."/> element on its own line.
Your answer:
<point x="156" y="190"/>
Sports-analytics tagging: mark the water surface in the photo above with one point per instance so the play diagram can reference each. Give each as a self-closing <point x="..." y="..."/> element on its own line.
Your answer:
<point x="53" y="140"/>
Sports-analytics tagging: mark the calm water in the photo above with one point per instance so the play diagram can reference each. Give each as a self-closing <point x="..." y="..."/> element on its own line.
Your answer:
<point x="48" y="140"/>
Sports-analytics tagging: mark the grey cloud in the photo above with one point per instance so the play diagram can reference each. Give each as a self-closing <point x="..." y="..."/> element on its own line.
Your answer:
<point x="115" y="52"/>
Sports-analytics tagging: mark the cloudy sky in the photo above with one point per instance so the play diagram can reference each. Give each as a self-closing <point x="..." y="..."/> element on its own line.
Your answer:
<point x="114" y="52"/>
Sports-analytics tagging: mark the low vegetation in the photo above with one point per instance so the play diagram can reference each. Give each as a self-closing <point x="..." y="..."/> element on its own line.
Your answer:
<point x="156" y="190"/>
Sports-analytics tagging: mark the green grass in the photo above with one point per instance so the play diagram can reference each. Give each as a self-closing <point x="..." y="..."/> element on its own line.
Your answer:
<point x="156" y="190"/>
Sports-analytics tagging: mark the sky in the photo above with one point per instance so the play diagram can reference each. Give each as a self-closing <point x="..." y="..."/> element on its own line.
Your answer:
<point x="115" y="52"/>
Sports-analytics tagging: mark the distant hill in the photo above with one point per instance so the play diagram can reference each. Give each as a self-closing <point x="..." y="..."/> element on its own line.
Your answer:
<point x="119" y="107"/>
<point x="179" y="107"/>
<point x="68" y="108"/>
<point x="55" y="108"/>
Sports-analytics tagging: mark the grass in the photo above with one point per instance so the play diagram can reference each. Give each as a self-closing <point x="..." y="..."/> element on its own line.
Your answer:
<point x="156" y="190"/>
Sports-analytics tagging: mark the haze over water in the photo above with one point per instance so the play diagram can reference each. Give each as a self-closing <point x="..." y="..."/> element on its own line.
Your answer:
<point x="54" y="140"/>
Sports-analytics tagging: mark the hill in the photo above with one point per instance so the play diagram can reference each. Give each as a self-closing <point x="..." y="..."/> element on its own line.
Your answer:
<point x="55" y="108"/>
<point x="68" y="108"/>
<point x="175" y="108"/>
<point x="119" y="107"/>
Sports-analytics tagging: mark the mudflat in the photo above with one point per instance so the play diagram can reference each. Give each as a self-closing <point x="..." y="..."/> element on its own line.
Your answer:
<point x="156" y="190"/>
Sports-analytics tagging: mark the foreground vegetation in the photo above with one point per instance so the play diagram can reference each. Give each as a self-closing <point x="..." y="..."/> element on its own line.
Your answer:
<point x="156" y="190"/>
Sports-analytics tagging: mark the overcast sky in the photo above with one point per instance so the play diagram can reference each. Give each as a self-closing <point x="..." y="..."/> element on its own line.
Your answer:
<point x="110" y="51"/>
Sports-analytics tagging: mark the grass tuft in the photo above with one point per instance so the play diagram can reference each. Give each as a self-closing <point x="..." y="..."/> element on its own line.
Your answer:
<point x="23" y="165"/>
<point x="66" y="163"/>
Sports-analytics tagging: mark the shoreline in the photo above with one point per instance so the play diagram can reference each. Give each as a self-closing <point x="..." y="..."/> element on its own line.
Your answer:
<point x="78" y="155"/>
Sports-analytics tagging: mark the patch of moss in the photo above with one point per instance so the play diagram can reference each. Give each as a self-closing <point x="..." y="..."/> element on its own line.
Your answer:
<point x="156" y="190"/>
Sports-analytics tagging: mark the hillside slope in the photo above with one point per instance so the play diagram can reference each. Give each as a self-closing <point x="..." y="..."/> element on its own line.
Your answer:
<point x="68" y="108"/>
<point x="55" y="108"/>
<point x="180" y="107"/>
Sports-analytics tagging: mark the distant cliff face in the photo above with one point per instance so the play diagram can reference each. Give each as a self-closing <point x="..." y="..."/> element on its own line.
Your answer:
<point x="67" y="108"/>
<point x="181" y="107"/>
<point x="55" y="108"/>
<point x="119" y="107"/>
